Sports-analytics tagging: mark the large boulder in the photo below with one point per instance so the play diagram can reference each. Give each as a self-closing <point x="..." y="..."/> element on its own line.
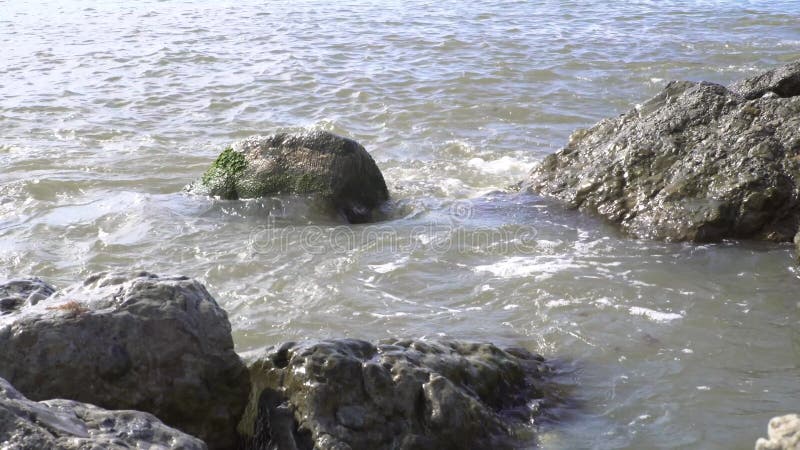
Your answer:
<point x="783" y="432"/>
<point x="698" y="162"/>
<point x="130" y="341"/>
<point x="70" y="425"/>
<point x="350" y="394"/>
<point x="314" y="162"/>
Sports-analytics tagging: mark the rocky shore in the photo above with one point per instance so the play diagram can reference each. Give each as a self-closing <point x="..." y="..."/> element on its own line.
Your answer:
<point x="135" y="360"/>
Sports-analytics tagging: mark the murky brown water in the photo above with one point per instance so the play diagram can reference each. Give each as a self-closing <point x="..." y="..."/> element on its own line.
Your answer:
<point x="108" y="110"/>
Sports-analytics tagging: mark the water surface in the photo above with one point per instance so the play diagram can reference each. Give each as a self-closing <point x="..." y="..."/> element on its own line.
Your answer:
<point x="107" y="109"/>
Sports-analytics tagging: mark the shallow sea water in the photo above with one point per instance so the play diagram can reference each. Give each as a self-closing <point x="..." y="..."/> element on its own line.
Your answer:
<point x="107" y="109"/>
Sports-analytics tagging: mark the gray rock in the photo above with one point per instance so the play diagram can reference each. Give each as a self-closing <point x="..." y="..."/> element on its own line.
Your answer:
<point x="317" y="162"/>
<point x="783" y="81"/>
<point x="783" y="432"/>
<point x="70" y="425"/>
<point x="131" y="341"/>
<point x="15" y="294"/>
<point x="698" y="162"/>
<point x="350" y="394"/>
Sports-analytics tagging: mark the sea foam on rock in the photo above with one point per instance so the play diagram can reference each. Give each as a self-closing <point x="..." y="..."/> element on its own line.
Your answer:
<point x="402" y="394"/>
<point x="314" y="162"/>
<point x="70" y="425"/>
<point x="127" y="340"/>
<point x="698" y="162"/>
<point x="783" y="432"/>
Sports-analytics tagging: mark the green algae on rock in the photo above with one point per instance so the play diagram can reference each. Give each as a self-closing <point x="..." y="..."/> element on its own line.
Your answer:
<point x="219" y="178"/>
<point x="402" y="394"/>
<point x="698" y="162"/>
<point x="316" y="162"/>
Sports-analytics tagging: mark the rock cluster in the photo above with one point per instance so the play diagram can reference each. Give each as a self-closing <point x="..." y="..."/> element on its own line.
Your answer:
<point x="698" y="162"/>
<point x="127" y="341"/>
<point x="155" y="355"/>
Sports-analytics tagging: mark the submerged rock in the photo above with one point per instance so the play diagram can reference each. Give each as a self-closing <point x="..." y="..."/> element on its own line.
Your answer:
<point x="316" y="162"/>
<point x="351" y="394"/>
<point x="698" y="162"/>
<point x="783" y="432"/>
<point x="70" y="425"/>
<point x="131" y="341"/>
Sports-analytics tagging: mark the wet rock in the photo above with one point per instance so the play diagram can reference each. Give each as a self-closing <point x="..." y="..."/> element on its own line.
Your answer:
<point x="783" y="432"/>
<point x="351" y="394"/>
<point x="15" y="294"/>
<point x="317" y="162"/>
<point x="131" y="341"/>
<point x="783" y="81"/>
<point x="70" y="425"/>
<point x="698" y="162"/>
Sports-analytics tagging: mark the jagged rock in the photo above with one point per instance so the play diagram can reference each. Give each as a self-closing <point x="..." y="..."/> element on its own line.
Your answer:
<point x="131" y="341"/>
<point x="70" y="425"/>
<point x="350" y="394"/>
<point x="783" y="432"/>
<point x="783" y="82"/>
<point x="698" y="162"/>
<point x="15" y="294"/>
<point x="316" y="162"/>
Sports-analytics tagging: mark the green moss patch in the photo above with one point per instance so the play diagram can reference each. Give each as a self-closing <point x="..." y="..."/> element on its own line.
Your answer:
<point x="220" y="178"/>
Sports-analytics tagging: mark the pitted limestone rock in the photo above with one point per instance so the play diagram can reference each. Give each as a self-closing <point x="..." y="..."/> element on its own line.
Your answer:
<point x="403" y="394"/>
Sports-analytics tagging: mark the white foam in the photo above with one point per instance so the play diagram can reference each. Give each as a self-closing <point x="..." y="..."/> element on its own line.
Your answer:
<point x="390" y="266"/>
<point x="517" y="266"/>
<point x="557" y="303"/>
<point x="502" y="165"/>
<point x="652" y="314"/>
<point x="386" y="316"/>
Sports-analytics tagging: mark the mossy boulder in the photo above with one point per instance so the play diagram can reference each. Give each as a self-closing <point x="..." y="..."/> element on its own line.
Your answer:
<point x="397" y="394"/>
<point x="698" y="162"/>
<point x="316" y="162"/>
